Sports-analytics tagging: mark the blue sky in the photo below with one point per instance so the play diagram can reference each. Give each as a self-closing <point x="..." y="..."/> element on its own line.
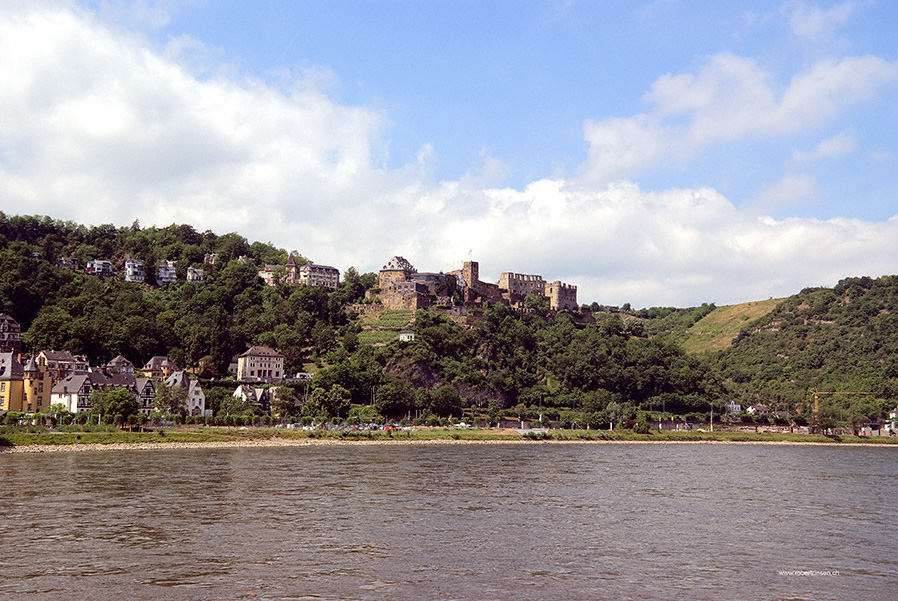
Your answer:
<point x="650" y="152"/>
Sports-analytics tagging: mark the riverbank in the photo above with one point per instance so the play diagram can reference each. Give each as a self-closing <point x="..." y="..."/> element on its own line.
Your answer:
<point x="193" y="437"/>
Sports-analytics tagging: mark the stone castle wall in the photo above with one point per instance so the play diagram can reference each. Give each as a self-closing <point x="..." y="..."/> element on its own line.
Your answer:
<point x="511" y="289"/>
<point x="562" y="296"/>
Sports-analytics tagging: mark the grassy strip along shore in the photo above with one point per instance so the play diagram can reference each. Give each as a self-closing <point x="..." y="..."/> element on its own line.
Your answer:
<point x="200" y="435"/>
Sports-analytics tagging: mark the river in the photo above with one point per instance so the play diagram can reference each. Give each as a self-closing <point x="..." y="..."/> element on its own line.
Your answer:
<point x="453" y="521"/>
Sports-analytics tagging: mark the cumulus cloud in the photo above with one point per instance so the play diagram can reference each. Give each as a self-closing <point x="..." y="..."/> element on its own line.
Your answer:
<point x="101" y="127"/>
<point x="730" y="98"/>
<point x="683" y="246"/>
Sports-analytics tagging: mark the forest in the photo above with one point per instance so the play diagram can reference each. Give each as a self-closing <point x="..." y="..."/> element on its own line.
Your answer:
<point x="624" y="365"/>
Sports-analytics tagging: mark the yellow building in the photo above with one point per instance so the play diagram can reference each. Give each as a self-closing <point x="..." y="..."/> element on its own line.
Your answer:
<point x="38" y="385"/>
<point x="12" y="383"/>
<point x="23" y="388"/>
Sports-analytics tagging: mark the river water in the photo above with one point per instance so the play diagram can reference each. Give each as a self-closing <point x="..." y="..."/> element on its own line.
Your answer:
<point x="452" y="521"/>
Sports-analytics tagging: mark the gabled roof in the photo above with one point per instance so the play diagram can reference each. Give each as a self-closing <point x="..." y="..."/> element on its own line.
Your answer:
<point x="120" y="360"/>
<point x="247" y="392"/>
<point x="7" y="318"/>
<point x="73" y="383"/>
<point x="261" y="351"/>
<point x="58" y="356"/>
<point x="398" y="263"/>
<point x="101" y="379"/>
<point x="159" y="363"/>
<point x="10" y="368"/>
<point x="178" y="378"/>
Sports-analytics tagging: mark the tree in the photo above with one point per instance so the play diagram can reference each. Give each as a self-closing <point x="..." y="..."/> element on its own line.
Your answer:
<point x="445" y="401"/>
<point x="283" y="401"/>
<point x="59" y="413"/>
<point x="536" y="303"/>
<point x="170" y="400"/>
<point x="394" y="397"/>
<point x="235" y="405"/>
<point x="333" y="402"/>
<point x="109" y="402"/>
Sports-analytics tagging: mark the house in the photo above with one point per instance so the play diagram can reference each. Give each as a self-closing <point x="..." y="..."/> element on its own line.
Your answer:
<point x="12" y="383"/>
<point x="69" y="263"/>
<point x="62" y="364"/>
<point x="406" y="335"/>
<point x="38" y="386"/>
<point x="256" y="396"/>
<point x="10" y="335"/>
<point x="166" y="273"/>
<point x="732" y="406"/>
<point x="99" y="267"/>
<point x="103" y="380"/>
<point x="195" y="275"/>
<point x="73" y="393"/>
<point x="272" y="274"/>
<point x="134" y="270"/>
<point x="146" y="394"/>
<point x="210" y="258"/>
<point x="120" y="365"/>
<point x="23" y="388"/>
<point x="260" y="364"/>
<point x="319" y="275"/>
<point x="196" y="398"/>
<point x="160" y="368"/>
<point x="757" y="409"/>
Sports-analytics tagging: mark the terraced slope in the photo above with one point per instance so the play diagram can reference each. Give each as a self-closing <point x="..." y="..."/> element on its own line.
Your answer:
<point x="383" y="326"/>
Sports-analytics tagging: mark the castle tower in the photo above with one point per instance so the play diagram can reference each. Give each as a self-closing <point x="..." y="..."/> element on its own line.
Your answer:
<point x="471" y="273"/>
<point x="37" y="387"/>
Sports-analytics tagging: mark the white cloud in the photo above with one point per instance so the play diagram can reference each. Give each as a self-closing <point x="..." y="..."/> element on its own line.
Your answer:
<point x="730" y="98"/>
<point x="813" y="22"/>
<point x="100" y="127"/>
<point x="841" y="144"/>
<point x="788" y="190"/>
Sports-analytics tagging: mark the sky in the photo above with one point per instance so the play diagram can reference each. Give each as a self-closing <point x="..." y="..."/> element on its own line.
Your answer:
<point x="657" y="153"/>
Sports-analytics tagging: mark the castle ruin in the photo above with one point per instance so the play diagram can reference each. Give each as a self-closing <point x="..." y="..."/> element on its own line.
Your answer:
<point x="403" y="287"/>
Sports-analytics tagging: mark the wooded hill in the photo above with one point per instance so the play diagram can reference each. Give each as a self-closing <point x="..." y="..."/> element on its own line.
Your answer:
<point x="624" y="363"/>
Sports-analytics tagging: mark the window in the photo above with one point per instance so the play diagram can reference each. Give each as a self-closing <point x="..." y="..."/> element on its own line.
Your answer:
<point x="2" y="386"/>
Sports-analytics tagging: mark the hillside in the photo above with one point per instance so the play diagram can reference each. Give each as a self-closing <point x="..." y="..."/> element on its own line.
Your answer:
<point x="717" y="330"/>
<point x="621" y="366"/>
<point x="842" y="338"/>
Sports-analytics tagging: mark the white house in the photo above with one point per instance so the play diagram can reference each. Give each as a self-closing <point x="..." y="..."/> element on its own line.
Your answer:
<point x="195" y="275"/>
<point x="134" y="270"/>
<point x="98" y="267"/>
<point x="732" y="406"/>
<point x="260" y="364"/>
<point x="167" y="273"/>
<point x="73" y="393"/>
<point x="319" y="275"/>
<point x="196" y="398"/>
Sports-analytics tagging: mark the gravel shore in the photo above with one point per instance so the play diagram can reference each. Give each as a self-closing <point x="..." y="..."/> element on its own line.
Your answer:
<point x="305" y="442"/>
<point x="268" y="442"/>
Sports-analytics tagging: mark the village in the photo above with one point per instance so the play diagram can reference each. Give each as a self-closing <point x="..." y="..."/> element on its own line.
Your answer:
<point x="32" y="383"/>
